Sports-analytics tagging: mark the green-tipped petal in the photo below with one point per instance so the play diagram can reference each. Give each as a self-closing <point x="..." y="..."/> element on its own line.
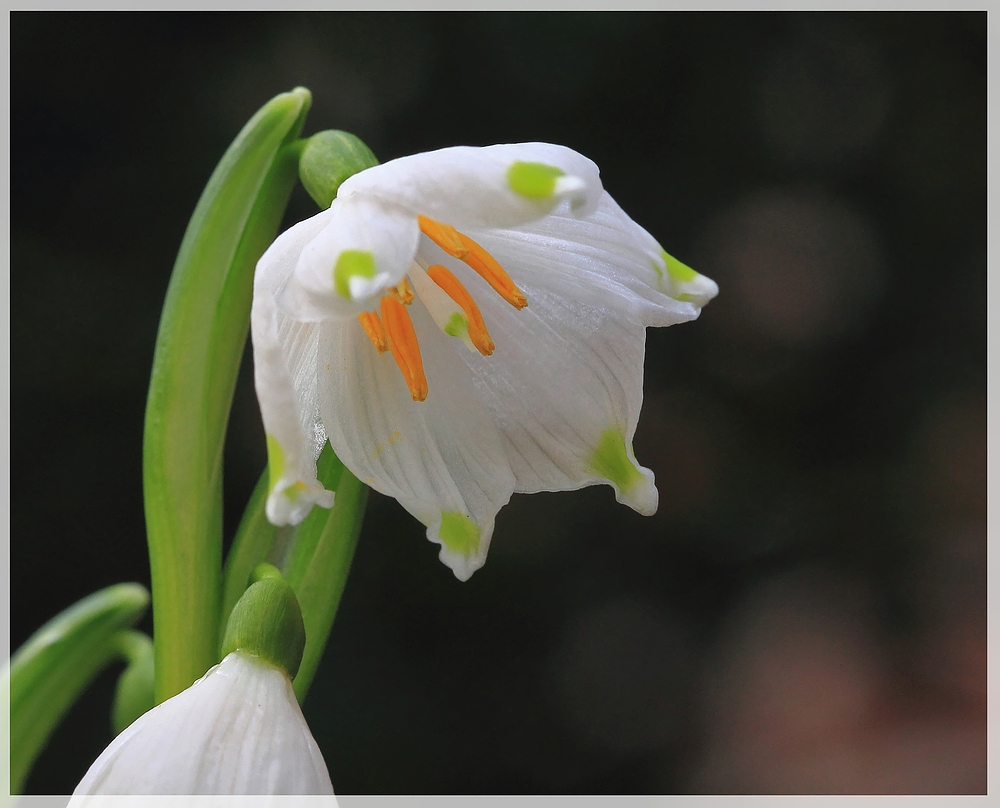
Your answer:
<point x="683" y="283"/>
<point x="612" y="460"/>
<point x="492" y="186"/>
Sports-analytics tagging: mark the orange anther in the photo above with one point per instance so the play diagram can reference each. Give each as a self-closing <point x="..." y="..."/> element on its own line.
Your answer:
<point x="403" y="344"/>
<point x="444" y="235"/>
<point x="453" y="288"/>
<point x="465" y="249"/>
<point x="373" y="327"/>
<point x="486" y="265"/>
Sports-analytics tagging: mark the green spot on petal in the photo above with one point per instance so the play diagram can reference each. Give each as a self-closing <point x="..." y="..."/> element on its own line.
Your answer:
<point x="610" y="460"/>
<point x="681" y="273"/>
<point x="533" y="180"/>
<point x="657" y="268"/>
<point x="457" y="325"/>
<point x="275" y="460"/>
<point x="459" y="533"/>
<point x="352" y="264"/>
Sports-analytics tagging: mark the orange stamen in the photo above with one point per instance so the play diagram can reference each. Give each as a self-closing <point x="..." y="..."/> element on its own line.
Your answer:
<point x="465" y="249"/>
<point x="444" y="235"/>
<point x="486" y="265"/>
<point x="373" y="327"/>
<point x="453" y="288"/>
<point x="403" y="344"/>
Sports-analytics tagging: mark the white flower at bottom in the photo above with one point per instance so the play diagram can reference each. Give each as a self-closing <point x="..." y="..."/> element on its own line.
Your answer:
<point x="237" y="730"/>
<point x="460" y="325"/>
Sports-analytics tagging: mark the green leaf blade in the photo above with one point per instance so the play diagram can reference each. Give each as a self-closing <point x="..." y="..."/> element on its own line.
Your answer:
<point x="199" y="347"/>
<point x="50" y="671"/>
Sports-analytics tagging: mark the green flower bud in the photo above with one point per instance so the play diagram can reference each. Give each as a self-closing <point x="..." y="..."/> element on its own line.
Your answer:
<point x="328" y="158"/>
<point x="267" y="622"/>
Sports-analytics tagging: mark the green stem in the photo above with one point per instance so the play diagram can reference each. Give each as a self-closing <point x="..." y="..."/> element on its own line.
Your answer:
<point x="319" y="551"/>
<point x="315" y="562"/>
<point x="251" y="545"/>
<point x="299" y="554"/>
<point x="318" y="575"/>
<point x="198" y="351"/>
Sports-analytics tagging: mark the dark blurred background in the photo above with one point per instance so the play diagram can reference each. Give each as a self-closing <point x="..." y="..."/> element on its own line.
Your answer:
<point x="806" y="612"/>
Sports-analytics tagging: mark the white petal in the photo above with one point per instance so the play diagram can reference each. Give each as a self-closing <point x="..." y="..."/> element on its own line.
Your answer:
<point x="289" y="418"/>
<point x="360" y="234"/>
<point x="564" y="386"/>
<point x="237" y="730"/>
<point x="441" y="458"/>
<point x="605" y="255"/>
<point x="285" y="379"/>
<point x="277" y="263"/>
<point x="469" y="187"/>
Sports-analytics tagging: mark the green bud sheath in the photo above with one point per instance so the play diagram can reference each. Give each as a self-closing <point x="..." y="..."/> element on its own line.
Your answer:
<point x="328" y="158"/>
<point x="267" y="622"/>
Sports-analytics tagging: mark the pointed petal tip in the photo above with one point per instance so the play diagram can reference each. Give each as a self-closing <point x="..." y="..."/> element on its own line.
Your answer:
<point x="682" y="282"/>
<point x="290" y="502"/>
<point x="700" y="290"/>
<point x="368" y="289"/>
<point x="642" y="496"/>
<point x="614" y="462"/>
<point x="459" y="565"/>
<point x="463" y="543"/>
<point x="582" y="199"/>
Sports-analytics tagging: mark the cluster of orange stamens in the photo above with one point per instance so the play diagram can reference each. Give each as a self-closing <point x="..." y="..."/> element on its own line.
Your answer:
<point x="393" y="331"/>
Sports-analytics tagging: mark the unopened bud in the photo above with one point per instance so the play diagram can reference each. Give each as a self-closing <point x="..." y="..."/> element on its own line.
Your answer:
<point x="328" y="159"/>
<point x="267" y="622"/>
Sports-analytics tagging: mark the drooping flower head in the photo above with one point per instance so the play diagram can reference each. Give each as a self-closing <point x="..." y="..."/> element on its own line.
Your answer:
<point x="460" y="325"/>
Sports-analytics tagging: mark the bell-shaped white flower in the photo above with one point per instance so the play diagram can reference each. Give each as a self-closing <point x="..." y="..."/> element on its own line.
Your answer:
<point x="462" y="324"/>
<point x="237" y="730"/>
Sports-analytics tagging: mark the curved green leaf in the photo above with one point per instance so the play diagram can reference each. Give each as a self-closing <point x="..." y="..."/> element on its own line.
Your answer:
<point x="52" y="669"/>
<point x="199" y="346"/>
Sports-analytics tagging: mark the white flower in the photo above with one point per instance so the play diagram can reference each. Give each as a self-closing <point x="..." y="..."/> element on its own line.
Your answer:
<point x="237" y="730"/>
<point x="463" y="324"/>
